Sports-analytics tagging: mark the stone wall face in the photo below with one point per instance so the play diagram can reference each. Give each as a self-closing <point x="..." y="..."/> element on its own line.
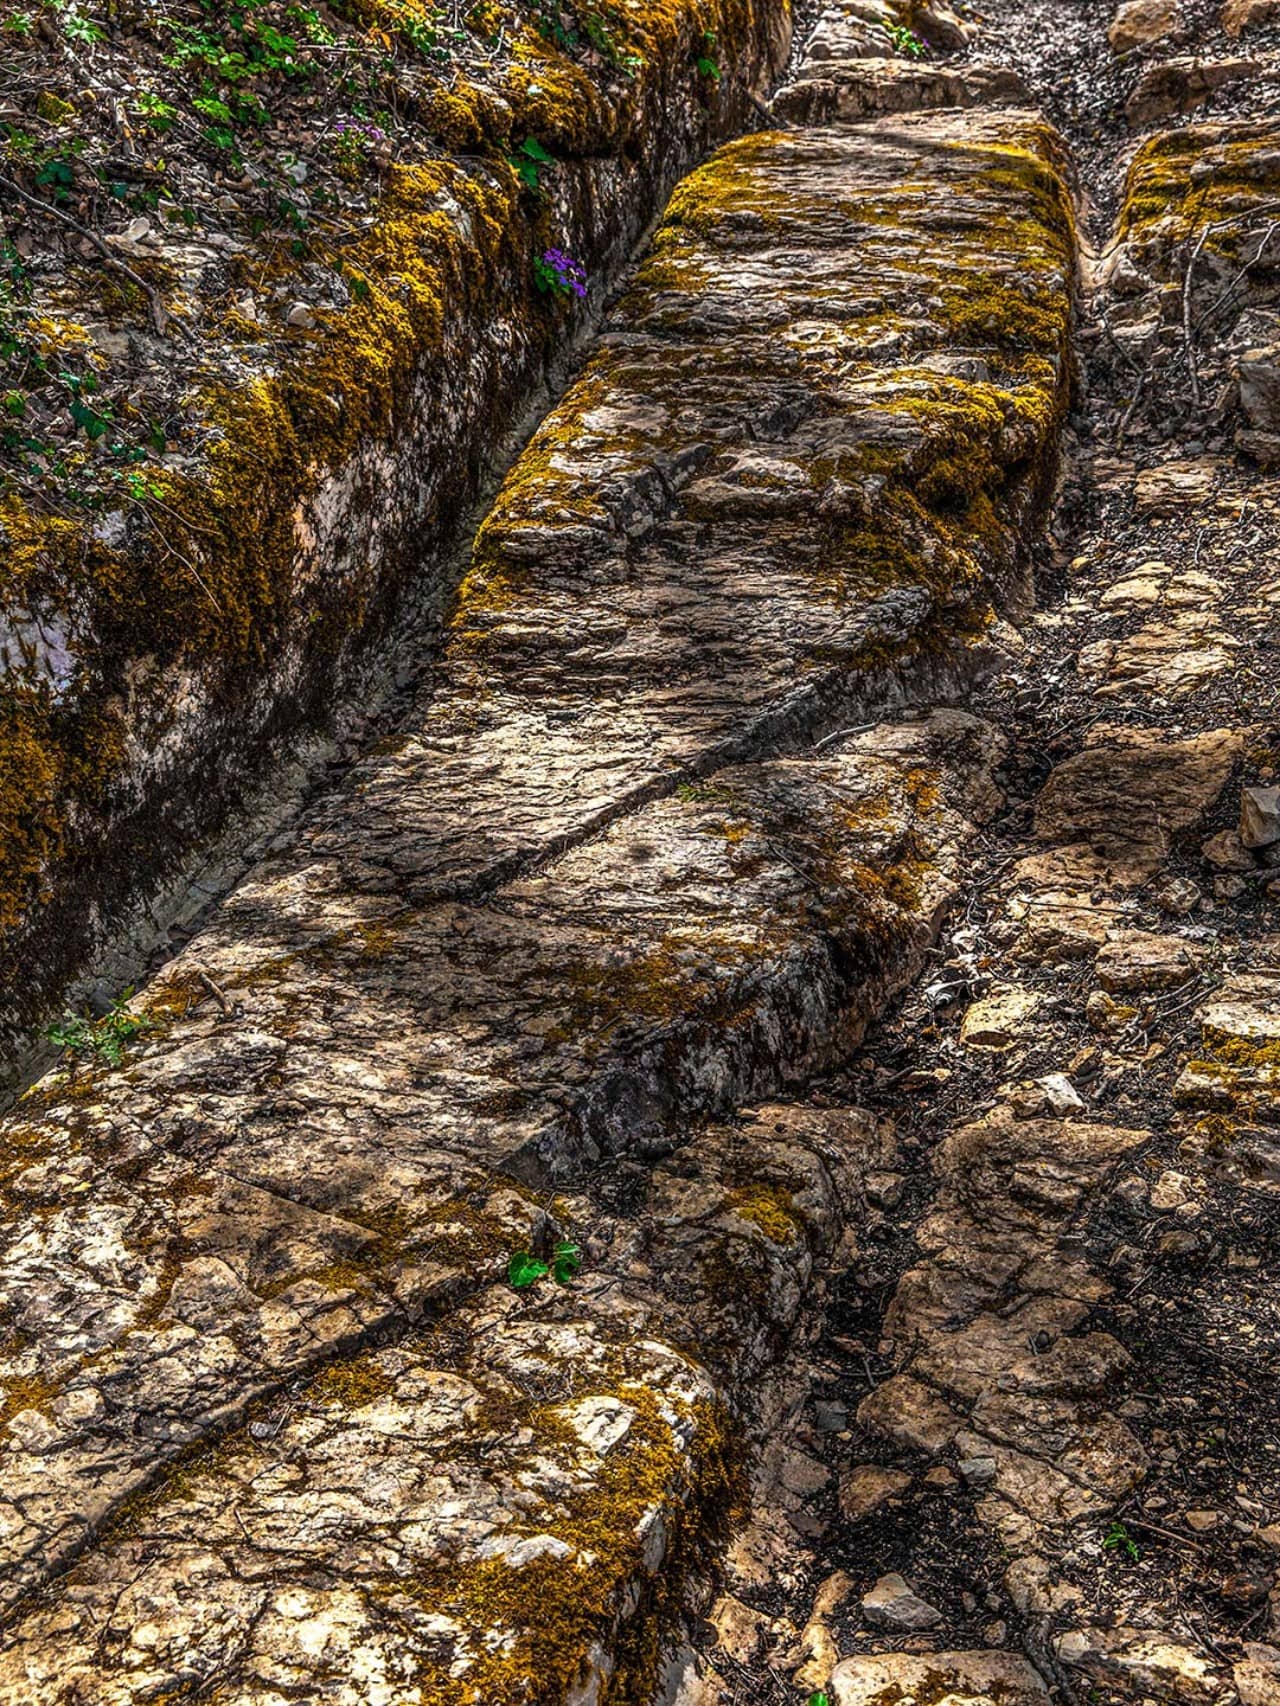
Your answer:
<point x="150" y="665"/>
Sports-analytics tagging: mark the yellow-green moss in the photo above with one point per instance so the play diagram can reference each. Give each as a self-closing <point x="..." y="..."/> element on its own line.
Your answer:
<point x="771" y="1209"/>
<point x="1242" y="1054"/>
<point x="1166" y="205"/>
<point x="206" y="580"/>
<point x="31" y="1392"/>
<point x="536" y="1626"/>
<point x="350" y="1385"/>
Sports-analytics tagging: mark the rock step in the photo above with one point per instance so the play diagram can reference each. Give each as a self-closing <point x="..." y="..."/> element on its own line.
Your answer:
<point x="792" y="480"/>
<point x="154" y="657"/>
<point x="627" y="865"/>
<point x="500" y="1507"/>
<point x="265" y="1184"/>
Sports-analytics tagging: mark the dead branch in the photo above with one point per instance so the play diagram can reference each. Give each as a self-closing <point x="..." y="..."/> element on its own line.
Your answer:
<point x="161" y="319"/>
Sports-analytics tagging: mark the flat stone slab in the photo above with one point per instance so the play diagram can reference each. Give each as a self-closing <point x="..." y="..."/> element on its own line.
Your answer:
<point x="866" y="88"/>
<point x="260" y="1188"/>
<point x="793" y="474"/>
<point x="485" y="1506"/>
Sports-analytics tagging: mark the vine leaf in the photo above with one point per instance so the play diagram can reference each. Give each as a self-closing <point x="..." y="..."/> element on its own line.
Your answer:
<point x="523" y="1269"/>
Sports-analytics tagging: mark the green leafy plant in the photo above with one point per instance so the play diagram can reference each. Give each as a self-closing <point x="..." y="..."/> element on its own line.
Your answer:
<point x="58" y="177"/>
<point x="529" y="161"/>
<point x="76" y="27"/>
<point x="92" y="421"/>
<point x="154" y="112"/>
<point x="103" y="1040"/>
<point x="602" y="39"/>
<point x="1118" y="1539"/>
<point x="906" y="41"/>
<point x="706" y="61"/>
<point x="525" y="1269"/>
<point x="818" y="1698"/>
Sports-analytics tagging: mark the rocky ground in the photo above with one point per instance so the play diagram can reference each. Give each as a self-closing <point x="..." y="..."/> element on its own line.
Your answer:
<point x="1034" y="1446"/>
<point x="507" y="1267"/>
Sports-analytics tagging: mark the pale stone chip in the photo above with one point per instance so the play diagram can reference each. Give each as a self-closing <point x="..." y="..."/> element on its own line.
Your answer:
<point x="893" y="1604"/>
<point x="1138" y="960"/>
<point x="867" y="1486"/>
<point x="996" y="1021"/>
<point x="910" y="1414"/>
<point x="1134" y="1661"/>
<point x="1138" y="23"/>
<point x="942" y="1679"/>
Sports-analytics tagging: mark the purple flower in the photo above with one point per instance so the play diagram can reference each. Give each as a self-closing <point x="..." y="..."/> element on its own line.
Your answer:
<point x="570" y="275"/>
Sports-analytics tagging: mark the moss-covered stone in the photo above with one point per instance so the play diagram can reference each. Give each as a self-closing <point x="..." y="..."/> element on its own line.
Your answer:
<point x="159" y="655"/>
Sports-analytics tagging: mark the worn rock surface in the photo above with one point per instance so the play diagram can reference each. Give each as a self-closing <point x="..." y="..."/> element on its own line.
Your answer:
<point x="636" y="858"/>
<point x="165" y="623"/>
<point x="1055" y="1364"/>
<point x="912" y="1338"/>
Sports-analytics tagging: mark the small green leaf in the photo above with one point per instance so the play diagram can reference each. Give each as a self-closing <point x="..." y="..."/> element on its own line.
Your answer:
<point x="565" y="1262"/>
<point x="523" y="1269"/>
<point x="534" y="149"/>
<point x="1118" y="1539"/>
<point x="817" y="1698"/>
<point x="213" y="109"/>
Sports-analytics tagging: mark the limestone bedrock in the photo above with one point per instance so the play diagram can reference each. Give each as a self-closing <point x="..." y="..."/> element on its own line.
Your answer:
<point x="634" y="861"/>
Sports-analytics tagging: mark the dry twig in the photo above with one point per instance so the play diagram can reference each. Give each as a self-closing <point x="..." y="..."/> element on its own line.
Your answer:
<point x="161" y="319"/>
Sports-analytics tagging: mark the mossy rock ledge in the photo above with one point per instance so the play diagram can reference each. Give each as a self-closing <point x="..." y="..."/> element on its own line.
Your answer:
<point x="156" y="654"/>
<point x="273" y="1425"/>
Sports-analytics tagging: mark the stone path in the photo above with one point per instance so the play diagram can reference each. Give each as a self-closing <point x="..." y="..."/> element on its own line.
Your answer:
<point x="637" y="857"/>
<point x="1034" y="1449"/>
<point x="879" y="1376"/>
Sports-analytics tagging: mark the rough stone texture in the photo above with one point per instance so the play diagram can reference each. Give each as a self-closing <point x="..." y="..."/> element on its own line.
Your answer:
<point x="1240" y="15"/>
<point x="1140" y="23"/>
<point x="1115" y="808"/>
<point x="269" y="1184"/>
<point x="970" y="1679"/>
<point x="783" y="481"/>
<point x="1181" y="85"/>
<point x="869" y="88"/>
<point x="892" y="1604"/>
<point x="626" y="864"/>
<point x="1135" y="1661"/>
<point x="133" y="706"/>
<point x="494" y="1505"/>
<point x="1074" y="1377"/>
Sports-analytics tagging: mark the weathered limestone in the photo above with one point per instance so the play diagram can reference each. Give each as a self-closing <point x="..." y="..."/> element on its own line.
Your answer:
<point x="869" y="88"/>
<point x="987" y="1312"/>
<point x="1197" y="202"/>
<point x="626" y="864"/>
<point x="970" y="1679"/>
<point x="268" y="1185"/>
<point x="495" y="1509"/>
<point x="1064" y="1426"/>
<point x="786" y="478"/>
<point x="1181" y="85"/>
<point x="152" y="655"/>
<point x="1141" y="23"/>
